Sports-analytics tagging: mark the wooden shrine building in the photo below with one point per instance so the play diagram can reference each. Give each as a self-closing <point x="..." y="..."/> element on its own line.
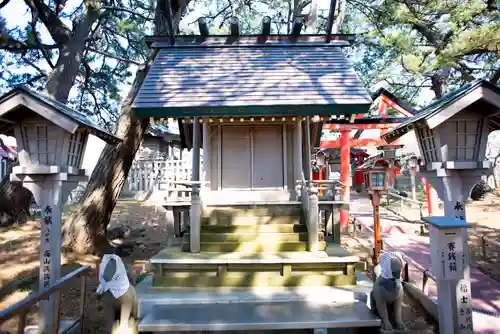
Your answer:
<point x="256" y="105"/>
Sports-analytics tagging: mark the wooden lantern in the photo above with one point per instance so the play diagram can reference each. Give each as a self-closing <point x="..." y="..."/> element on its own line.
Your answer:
<point x="49" y="135"/>
<point x="376" y="176"/>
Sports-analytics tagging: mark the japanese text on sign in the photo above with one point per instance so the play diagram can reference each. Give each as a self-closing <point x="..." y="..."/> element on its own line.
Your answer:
<point x="459" y="210"/>
<point x="451" y="256"/>
<point x="45" y="244"/>
<point x="464" y="307"/>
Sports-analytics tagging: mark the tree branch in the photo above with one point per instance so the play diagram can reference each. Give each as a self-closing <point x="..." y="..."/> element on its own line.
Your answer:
<point x="495" y="77"/>
<point x="126" y="10"/>
<point x="4" y="3"/>
<point x="59" y="32"/>
<point x="13" y="45"/>
<point x="106" y="54"/>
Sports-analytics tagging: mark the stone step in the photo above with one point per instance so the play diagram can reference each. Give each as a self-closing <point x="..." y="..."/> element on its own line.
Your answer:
<point x="250" y="316"/>
<point x="272" y="228"/>
<point x="252" y="247"/>
<point x="149" y="296"/>
<point x="253" y="237"/>
<point x="249" y="220"/>
<point x="255" y="279"/>
<point x="253" y="209"/>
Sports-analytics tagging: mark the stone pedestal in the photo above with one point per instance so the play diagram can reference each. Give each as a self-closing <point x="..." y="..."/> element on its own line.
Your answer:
<point x="50" y="186"/>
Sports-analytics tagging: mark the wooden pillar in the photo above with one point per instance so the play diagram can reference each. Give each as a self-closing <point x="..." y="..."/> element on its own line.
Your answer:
<point x="206" y="152"/>
<point x="345" y="166"/>
<point x="299" y="172"/>
<point x="308" y="151"/>
<point x="195" y="195"/>
<point x="312" y="192"/>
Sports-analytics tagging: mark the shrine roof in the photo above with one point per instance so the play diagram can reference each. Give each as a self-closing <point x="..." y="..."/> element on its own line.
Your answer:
<point x="440" y="105"/>
<point x="246" y="76"/>
<point x="395" y="99"/>
<point x="51" y="109"/>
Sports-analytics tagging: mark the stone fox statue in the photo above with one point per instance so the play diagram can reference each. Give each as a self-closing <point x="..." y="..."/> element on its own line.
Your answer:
<point x="386" y="298"/>
<point x="120" y="300"/>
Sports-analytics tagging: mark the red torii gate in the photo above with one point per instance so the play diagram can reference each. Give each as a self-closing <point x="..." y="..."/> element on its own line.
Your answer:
<point x="383" y="100"/>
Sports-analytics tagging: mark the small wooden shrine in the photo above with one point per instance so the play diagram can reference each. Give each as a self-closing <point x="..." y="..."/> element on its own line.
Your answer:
<point x="256" y="105"/>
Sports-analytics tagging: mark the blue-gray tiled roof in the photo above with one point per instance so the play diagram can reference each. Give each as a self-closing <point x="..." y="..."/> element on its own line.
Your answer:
<point x="187" y="81"/>
<point x="64" y="111"/>
<point x="435" y="108"/>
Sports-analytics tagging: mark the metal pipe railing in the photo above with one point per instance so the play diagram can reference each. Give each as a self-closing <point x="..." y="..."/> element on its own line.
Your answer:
<point x="22" y="308"/>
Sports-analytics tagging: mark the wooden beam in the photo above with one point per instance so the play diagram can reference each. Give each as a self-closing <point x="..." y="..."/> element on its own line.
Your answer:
<point x="203" y="27"/>
<point x="365" y="142"/>
<point x="297" y="26"/>
<point x="266" y="26"/>
<point x="331" y="16"/>
<point x="395" y="106"/>
<point x="235" y="26"/>
<point x="360" y="126"/>
<point x="160" y="41"/>
<point x="170" y="22"/>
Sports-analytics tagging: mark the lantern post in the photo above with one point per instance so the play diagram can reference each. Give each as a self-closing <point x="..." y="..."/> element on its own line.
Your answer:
<point x="376" y="180"/>
<point x="412" y="163"/>
<point x="51" y="141"/>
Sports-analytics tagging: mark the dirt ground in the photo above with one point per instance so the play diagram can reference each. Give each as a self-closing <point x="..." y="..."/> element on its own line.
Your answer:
<point x="19" y="254"/>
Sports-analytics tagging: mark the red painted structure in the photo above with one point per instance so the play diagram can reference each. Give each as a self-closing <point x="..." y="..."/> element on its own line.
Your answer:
<point x="344" y="143"/>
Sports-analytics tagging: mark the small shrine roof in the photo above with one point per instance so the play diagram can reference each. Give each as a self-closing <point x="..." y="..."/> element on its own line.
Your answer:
<point x="243" y="76"/>
<point x="395" y="99"/>
<point x="491" y="94"/>
<point x="51" y="109"/>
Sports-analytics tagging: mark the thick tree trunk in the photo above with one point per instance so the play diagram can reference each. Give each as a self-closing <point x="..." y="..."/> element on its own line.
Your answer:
<point x="64" y="74"/>
<point x="339" y="19"/>
<point x="85" y="231"/>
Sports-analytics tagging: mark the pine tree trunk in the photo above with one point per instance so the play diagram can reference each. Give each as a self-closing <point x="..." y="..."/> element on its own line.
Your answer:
<point x="85" y="231"/>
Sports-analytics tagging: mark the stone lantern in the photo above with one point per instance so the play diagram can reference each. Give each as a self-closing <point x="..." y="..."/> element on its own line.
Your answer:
<point x="51" y="140"/>
<point x="452" y="134"/>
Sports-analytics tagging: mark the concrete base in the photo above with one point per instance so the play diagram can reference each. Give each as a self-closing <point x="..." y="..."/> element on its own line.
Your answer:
<point x="269" y="315"/>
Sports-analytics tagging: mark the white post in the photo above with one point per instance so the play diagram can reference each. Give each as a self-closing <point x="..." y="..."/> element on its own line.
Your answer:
<point x="449" y="256"/>
<point x="50" y="192"/>
<point x="313" y="218"/>
<point x="413" y="176"/>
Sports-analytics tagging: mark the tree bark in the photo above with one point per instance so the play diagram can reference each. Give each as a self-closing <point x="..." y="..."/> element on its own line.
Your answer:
<point x="15" y="200"/>
<point x="337" y="25"/>
<point x="64" y="74"/>
<point x="85" y="231"/>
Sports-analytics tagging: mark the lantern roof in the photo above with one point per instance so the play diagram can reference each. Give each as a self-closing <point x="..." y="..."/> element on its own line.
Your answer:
<point x="390" y="146"/>
<point x="373" y="164"/>
<point x="450" y="104"/>
<point x="50" y="109"/>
